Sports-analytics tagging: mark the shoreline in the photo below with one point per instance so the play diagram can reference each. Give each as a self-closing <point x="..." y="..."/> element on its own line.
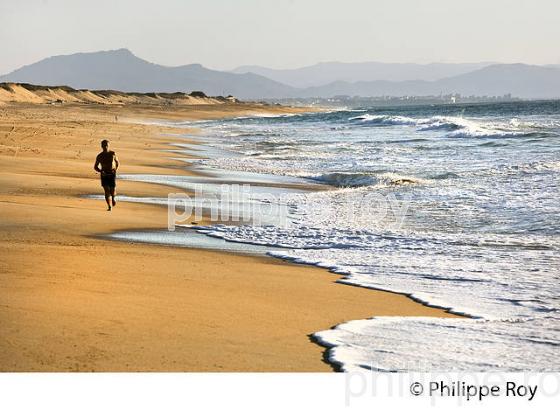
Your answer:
<point x="193" y="171"/>
<point x="30" y="195"/>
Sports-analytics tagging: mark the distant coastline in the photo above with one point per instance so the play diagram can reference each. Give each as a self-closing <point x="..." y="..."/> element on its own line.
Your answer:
<point x="392" y="101"/>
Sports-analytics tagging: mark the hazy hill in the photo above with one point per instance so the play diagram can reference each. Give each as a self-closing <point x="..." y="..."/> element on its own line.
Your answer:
<point x="329" y="72"/>
<point x="122" y="70"/>
<point x="521" y="80"/>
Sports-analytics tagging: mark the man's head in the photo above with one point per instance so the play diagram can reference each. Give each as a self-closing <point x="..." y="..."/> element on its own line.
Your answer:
<point x="105" y="145"/>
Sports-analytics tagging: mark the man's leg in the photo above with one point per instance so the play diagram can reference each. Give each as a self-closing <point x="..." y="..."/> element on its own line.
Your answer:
<point x="113" y="194"/>
<point x="107" y="197"/>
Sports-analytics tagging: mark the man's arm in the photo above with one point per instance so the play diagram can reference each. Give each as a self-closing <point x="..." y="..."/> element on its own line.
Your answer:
<point x="116" y="162"/>
<point x="96" y="165"/>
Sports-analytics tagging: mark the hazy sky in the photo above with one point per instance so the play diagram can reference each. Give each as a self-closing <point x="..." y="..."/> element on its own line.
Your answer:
<point x="224" y="34"/>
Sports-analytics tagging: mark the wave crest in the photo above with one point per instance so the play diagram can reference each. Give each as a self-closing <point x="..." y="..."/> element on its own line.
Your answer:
<point x="384" y="120"/>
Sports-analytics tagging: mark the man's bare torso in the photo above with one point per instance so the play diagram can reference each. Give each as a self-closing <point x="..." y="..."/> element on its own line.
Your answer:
<point x="107" y="161"/>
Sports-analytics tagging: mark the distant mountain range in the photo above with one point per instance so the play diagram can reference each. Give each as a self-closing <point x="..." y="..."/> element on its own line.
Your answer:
<point x="329" y="72"/>
<point x="122" y="70"/>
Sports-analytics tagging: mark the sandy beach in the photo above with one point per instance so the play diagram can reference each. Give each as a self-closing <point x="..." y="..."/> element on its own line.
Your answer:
<point x="73" y="301"/>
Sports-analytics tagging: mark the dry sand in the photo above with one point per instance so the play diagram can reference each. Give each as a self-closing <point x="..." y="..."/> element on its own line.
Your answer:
<point x="72" y="301"/>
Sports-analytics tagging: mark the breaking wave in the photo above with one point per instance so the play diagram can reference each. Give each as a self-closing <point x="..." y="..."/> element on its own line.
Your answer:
<point x="458" y="126"/>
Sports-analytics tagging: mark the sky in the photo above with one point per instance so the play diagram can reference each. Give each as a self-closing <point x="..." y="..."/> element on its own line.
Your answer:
<point x="224" y="34"/>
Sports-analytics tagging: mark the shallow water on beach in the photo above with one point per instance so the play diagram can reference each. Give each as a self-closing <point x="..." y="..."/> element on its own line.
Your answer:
<point x="454" y="205"/>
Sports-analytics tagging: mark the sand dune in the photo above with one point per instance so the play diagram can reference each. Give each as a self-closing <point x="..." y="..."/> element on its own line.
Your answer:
<point x="36" y="94"/>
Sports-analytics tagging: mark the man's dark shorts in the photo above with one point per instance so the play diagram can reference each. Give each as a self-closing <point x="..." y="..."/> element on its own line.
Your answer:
<point x="108" y="180"/>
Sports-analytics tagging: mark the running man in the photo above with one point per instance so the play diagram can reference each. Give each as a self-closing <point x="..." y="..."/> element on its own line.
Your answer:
<point x="108" y="170"/>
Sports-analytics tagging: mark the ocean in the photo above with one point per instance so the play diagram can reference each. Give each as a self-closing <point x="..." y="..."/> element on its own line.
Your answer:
<point x="456" y="206"/>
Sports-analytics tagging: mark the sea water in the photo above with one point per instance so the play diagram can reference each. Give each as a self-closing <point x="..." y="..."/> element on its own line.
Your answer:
<point x="470" y="222"/>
